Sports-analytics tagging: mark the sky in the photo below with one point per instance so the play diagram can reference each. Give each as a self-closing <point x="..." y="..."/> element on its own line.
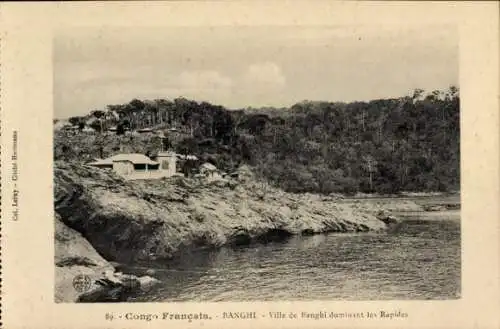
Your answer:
<point x="249" y="66"/>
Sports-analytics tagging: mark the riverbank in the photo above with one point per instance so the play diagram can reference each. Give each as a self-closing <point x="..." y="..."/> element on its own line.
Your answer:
<point x="336" y="266"/>
<point x="141" y="221"/>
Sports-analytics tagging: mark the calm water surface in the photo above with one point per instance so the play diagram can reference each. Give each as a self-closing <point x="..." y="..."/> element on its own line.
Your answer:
<point x="418" y="259"/>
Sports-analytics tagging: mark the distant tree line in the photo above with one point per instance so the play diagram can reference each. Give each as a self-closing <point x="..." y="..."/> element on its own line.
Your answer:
<point x="410" y="143"/>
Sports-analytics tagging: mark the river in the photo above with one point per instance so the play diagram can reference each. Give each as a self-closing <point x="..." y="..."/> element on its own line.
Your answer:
<point x="418" y="259"/>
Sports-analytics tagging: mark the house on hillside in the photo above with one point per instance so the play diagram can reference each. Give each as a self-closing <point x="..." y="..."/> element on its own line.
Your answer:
<point x="139" y="166"/>
<point x="187" y="157"/>
<point x="168" y="162"/>
<point x="89" y="130"/>
<point x="71" y="128"/>
<point x="145" y="130"/>
<point x="210" y="172"/>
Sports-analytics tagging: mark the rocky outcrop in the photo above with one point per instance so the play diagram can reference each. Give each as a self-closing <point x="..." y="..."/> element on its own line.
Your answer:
<point x="155" y="219"/>
<point x="442" y="207"/>
<point x="75" y="257"/>
<point x="387" y="217"/>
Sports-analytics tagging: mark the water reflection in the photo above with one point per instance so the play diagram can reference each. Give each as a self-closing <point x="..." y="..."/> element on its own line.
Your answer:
<point x="419" y="259"/>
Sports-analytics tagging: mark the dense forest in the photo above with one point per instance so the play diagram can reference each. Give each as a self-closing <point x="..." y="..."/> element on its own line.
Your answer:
<point x="410" y="143"/>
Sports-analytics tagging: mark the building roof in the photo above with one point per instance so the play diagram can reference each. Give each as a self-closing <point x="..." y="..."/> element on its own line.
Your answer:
<point x="135" y="158"/>
<point x="101" y="162"/>
<point x="187" y="157"/>
<point x="209" y="166"/>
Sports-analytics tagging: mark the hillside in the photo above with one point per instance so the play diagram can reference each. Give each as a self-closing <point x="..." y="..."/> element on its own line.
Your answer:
<point x="147" y="220"/>
<point x="411" y="143"/>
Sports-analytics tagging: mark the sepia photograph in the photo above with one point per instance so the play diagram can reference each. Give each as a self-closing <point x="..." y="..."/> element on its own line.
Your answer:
<point x="256" y="163"/>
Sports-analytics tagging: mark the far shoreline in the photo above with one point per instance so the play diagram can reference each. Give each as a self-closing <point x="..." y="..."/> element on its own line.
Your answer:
<point x="434" y="197"/>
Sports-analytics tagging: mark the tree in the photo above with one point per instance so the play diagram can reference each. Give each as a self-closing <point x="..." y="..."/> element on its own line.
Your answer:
<point x="136" y="105"/>
<point x="101" y="118"/>
<point x="256" y="123"/>
<point x="98" y="114"/>
<point x="370" y="165"/>
<point x="318" y="146"/>
<point x="187" y="146"/>
<point x="223" y="125"/>
<point x="188" y="167"/>
<point x="166" y="143"/>
<point x="417" y="94"/>
<point x="96" y="125"/>
<point x="126" y="124"/>
<point x="120" y="129"/>
<point x="75" y="121"/>
<point x="99" y="142"/>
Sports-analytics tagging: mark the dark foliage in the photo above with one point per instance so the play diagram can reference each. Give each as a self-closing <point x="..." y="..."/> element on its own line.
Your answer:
<point x="120" y="129"/>
<point x="81" y="125"/>
<point x="410" y="143"/>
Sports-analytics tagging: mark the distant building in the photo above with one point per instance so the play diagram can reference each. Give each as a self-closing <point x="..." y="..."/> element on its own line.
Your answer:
<point x="187" y="157"/>
<point x="210" y="172"/>
<point x="168" y="162"/>
<point x="88" y="130"/>
<point x="145" y="130"/>
<point x="124" y="164"/>
<point x="138" y="166"/>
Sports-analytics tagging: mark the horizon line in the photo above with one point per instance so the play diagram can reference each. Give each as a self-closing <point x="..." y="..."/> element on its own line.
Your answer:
<point x="231" y="108"/>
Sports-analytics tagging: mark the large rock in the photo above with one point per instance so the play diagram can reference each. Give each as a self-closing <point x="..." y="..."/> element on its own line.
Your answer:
<point x="146" y="282"/>
<point x="386" y="217"/>
<point x="75" y="257"/>
<point x="147" y="220"/>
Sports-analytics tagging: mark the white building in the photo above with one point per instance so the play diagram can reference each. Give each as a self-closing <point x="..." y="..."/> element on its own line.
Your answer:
<point x="138" y="166"/>
<point x="89" y="130"/>
<point x="168" y="162"/>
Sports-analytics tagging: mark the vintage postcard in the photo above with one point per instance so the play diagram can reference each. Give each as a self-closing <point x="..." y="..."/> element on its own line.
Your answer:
<point x="250" y="164"/>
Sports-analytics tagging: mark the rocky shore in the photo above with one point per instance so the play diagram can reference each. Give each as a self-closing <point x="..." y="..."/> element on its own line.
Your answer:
<point x="74" y="257"/>
<point x="101" y="218"/>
